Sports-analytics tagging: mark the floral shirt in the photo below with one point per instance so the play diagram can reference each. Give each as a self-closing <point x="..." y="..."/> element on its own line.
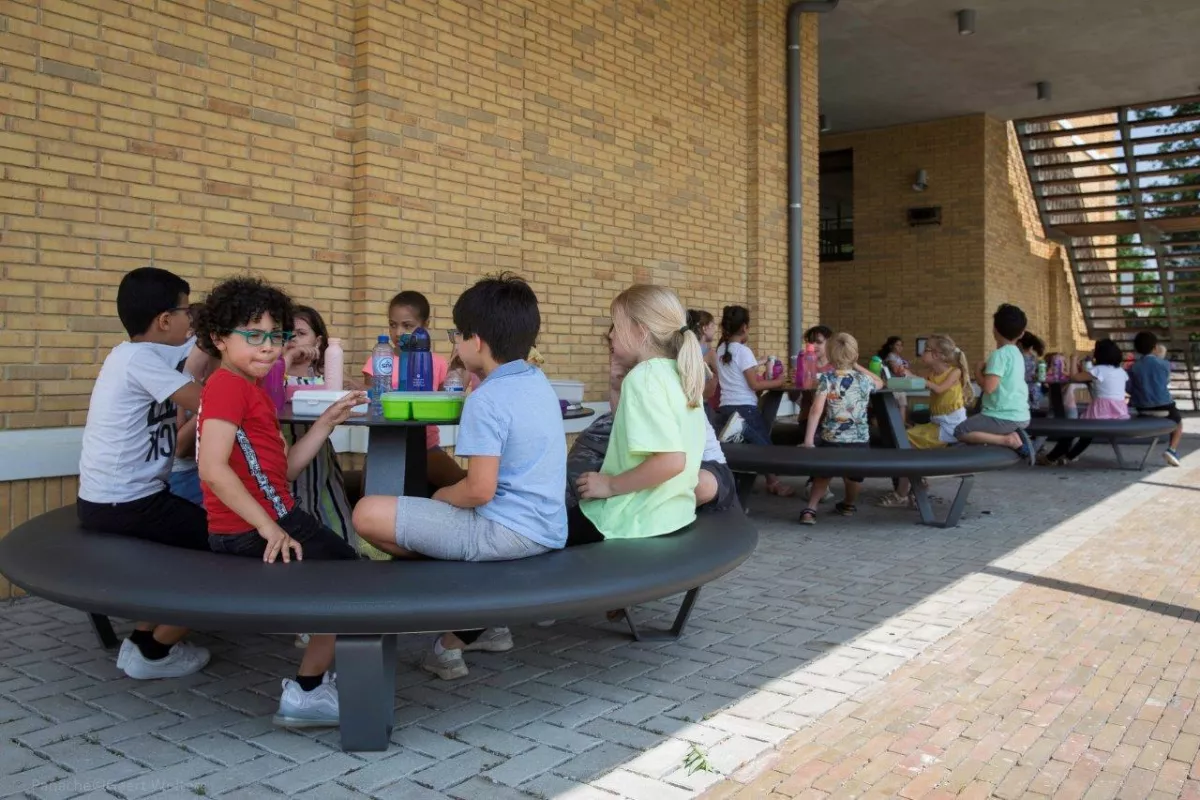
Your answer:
<point x="847" y="400"/>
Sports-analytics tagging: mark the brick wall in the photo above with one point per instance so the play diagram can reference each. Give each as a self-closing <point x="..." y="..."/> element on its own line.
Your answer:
<point x="349" y="148"/>
<point x="907" y="281"/>
<point x="910" y="281"/>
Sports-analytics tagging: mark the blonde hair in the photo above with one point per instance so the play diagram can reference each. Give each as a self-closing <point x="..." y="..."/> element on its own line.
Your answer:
<point x="943" y="348"/>
<point x="842" y="351"/>
<point x="658" y="311"/>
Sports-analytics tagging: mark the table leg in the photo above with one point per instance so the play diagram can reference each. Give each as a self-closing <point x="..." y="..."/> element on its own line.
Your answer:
<point x="366" y="668"/>
<point x="396" y="462"/>
<point x="891" y="421"/>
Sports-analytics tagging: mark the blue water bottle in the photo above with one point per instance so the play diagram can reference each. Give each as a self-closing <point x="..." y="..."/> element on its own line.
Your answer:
<point x="420" y="362"/>
<point x="382" y="365"/>
<point x="402" y="351"/>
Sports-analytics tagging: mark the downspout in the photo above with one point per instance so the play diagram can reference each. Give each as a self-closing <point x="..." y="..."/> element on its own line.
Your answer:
<point x="795" y="157"/>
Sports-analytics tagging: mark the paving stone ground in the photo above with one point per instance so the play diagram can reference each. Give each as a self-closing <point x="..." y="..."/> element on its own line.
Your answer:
<point x="1043" y="647"/>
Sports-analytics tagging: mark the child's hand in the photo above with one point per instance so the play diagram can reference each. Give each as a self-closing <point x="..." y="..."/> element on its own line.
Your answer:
<point x="279" y="544"/>
<point x="300" y="354"/>
<point x="341" y="411"/>
<point x="594" y="486"/>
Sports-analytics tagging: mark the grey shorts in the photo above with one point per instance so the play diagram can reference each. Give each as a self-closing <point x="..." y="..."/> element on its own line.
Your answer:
<point x="981" y="423"/>
<point x="442" y="531"/>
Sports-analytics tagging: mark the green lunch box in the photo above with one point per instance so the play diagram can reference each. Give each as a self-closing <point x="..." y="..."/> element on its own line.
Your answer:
<point x="423" y="406"/>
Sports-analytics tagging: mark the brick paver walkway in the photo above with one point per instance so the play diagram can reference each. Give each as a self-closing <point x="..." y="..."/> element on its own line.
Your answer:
<point x="1047" y="639"/>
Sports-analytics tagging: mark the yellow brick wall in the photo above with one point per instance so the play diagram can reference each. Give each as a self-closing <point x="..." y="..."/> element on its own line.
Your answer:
<point x="346" y="149"/>
<point x="912" y="281"/>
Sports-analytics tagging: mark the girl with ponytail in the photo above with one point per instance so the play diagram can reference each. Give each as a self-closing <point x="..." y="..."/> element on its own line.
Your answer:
<point x="647" y="485"/>
<point x="948" y="378"/>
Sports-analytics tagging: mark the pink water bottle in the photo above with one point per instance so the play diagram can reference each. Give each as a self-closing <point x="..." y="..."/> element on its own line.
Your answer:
<point x="810" y="366"/>
<point x="335" y="365"/>
<point x="798" y="369"/>
<point x="275" y="384"/>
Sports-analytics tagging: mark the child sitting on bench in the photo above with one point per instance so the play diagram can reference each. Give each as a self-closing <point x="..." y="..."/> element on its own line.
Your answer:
<point x="1005" y="414"/>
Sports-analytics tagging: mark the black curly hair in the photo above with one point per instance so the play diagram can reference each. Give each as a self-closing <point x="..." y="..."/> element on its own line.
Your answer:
<point x="238" y="302"/>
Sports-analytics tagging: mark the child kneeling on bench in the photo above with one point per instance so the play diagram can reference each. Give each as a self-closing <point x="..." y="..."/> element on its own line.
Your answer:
<point x="510" y="505"/>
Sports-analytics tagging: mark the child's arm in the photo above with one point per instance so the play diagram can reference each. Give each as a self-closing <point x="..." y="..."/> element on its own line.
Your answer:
<point x="875" y="379"/>
<point x="185" y="437"/>
<point x="941" y="388"/>
<point x="760" y="384"/>
<point x="478" y="488"/>
<point x="814" y="418"/>
<point x="988" y="383"/>
<point x="301" y="454"/>
<point x="215" y="472"/>
<point x="655" y="470"/>
<point x="187" y="397"/>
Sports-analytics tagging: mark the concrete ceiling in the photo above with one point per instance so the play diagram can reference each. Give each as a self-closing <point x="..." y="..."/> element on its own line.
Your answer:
<point x="889" y="62"/>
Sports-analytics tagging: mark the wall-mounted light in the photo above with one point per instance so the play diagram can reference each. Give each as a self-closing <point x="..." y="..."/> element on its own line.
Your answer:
<point x="1043" y="90"/>
<point x="966" y="22"/>
<point x="922" y="181"/>
<point x="822" y="123"/>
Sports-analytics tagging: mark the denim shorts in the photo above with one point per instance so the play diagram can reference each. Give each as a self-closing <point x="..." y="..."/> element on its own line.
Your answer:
<point x="756" y="431"/>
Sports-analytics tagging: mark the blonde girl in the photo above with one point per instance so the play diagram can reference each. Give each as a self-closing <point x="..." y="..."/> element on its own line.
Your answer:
<point x="947" y="375"/>
<point x="647" y="484"/>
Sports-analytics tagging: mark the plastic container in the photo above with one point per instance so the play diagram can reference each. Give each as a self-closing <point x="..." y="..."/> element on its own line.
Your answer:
<point x="906" y="384"/>
<point x="383" y="361"/>
<point x="423" y="406"/>
<point x="315" y="402"/>
<point x="335" y="365"/>
<point x="571" y="391"/>
<point x="276" y="384"/>
<point x="397" y="406"/>
<point x="455" y="383"/>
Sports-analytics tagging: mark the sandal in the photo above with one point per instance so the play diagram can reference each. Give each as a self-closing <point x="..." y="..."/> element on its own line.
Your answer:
<point x="808" y="516"/>
<point x="895" y="500"/>
<point x="846" y="509"/>
<point x="780" y="489"/>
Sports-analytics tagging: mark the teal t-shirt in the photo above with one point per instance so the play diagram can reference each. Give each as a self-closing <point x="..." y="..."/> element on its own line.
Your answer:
<point x="652" y="417"/>
<point x="1010" y="401"/>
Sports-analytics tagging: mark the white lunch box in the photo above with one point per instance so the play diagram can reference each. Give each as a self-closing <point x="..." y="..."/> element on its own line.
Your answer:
<point x="315" y="402"/>
<point x="571" y="391"/>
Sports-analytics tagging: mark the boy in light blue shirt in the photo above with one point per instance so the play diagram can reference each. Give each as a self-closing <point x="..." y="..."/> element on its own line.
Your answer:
<point x="510" y="504"/>
<point x="1005" y="393"/>
<point x="1150" y="390"/>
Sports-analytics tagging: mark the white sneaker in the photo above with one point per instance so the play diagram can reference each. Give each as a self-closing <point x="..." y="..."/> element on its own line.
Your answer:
<point x="123" y="653"/>
<point x="734" y="429"/>
<point x="1171" y="457"/>
<point x="546" y="623"/>
<point x="301" y="641"/>
<point x="493" y="640"/>
<point x="447" y="665"/>
<point x="315" y="709"/>
<point x="183" y="659"/>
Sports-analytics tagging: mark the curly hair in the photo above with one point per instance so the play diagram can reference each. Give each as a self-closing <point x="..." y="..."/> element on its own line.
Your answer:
<point x="238" y="302"/>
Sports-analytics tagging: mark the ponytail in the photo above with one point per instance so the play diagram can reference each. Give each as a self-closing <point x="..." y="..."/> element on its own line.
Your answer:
<point x="692" y="370"/>
<point x="964" y="376"/>
<point x="733" y="319"/>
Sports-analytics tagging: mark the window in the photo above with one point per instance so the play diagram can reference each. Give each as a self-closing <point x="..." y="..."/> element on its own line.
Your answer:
<point x="837" y="206"/>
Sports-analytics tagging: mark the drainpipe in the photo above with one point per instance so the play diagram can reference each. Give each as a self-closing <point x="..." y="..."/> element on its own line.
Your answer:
<point x="795" y="169"/>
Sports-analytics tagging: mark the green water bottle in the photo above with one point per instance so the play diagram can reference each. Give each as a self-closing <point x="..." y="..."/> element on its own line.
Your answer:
<point x="876" y="365"/>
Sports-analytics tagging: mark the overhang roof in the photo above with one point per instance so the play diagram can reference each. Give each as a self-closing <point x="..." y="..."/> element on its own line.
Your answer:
<point x="890" y="62"/>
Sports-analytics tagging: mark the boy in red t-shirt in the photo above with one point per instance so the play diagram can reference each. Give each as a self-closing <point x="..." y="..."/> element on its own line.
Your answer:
<point x="246" y="468"/>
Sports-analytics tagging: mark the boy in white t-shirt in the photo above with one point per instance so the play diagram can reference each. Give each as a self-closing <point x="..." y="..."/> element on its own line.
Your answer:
<point x="129" y="444"/>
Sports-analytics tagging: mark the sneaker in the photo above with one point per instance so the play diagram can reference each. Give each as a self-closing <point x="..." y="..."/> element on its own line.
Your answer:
<point x="183" y="659"/>
<point x="493" y="640"/>
<point x="1025" y="451"/>
<point x="447" y="665"/>
<point x="301" y="709"/>
<point x="734" y="430"/>
<point x="546" y="623"/>
<point x="301" y="641"/>
<point x="123" y="653"/>
<point x="1171" y="457"/>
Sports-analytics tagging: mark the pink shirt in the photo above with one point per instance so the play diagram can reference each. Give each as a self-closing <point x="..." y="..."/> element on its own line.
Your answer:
<point x="440" y="368"/>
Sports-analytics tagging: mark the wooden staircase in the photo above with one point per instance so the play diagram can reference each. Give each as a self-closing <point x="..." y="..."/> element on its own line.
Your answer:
<point x="1120" y="189"/>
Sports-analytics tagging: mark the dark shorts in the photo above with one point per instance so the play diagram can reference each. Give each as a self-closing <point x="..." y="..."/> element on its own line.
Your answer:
<point x="726" y="487"/>
<point x="162" y="517"/>
<point x="1171" y="412"/>
<point x="580" y="529"/>
<point x="846" y="446"/>
<point x="319" y="542"/>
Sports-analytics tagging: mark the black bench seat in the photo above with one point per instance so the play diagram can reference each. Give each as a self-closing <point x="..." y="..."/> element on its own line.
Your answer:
<point x="1134" y="431"/>
<point x="876" y="462"/>
<point x="365" y="602"/>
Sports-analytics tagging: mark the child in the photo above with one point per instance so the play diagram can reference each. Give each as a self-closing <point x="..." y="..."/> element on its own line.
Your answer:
<point x="246" y="468"/>
<point x="647" y="485"/>
<point x="844" y="397"/>
<point x="737" y="370"/>
<point x="716" y="489"/>
<point x="1033" y="350"/>
<point x="891" y="354"/>
<point x="320" y="490"/>
<point x="704" y="326"/>
<point x="185" y="475"/>
<point x="1150" y="388"/>
<point x="949" y="383"/>
<point x="1005" y="413"/>
<point x="408" y="311"/>
<point x="510" y="504"/>
<point x="1108" y="381"/>
<point x="129" y="445"/>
